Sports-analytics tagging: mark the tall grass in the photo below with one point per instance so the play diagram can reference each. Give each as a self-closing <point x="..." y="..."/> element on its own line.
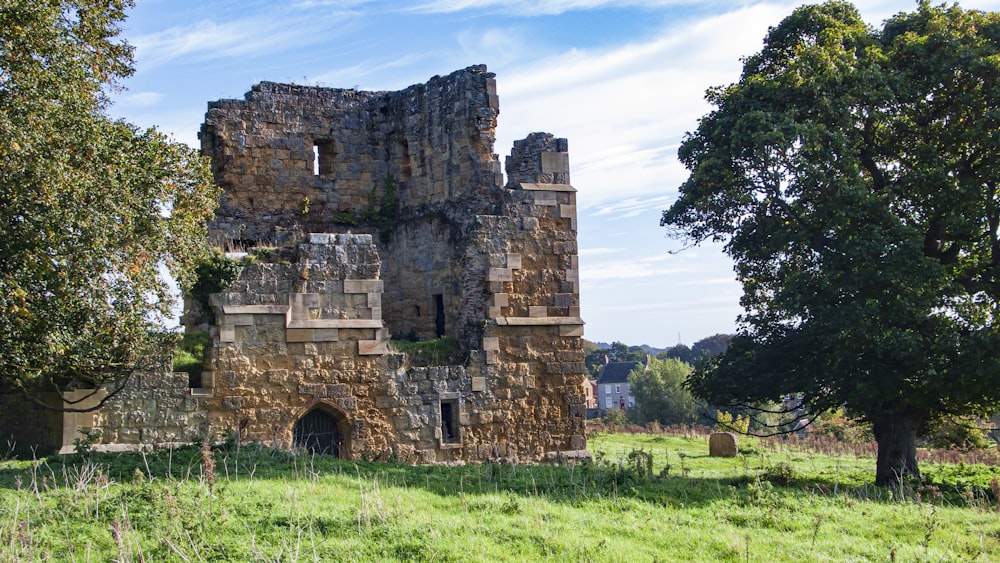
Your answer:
<point x="644" y="497"/>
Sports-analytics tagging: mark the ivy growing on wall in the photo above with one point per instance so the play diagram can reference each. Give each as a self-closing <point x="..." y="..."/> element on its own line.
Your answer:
<point x="383" y="211"/>
<point x="213" y="275"/>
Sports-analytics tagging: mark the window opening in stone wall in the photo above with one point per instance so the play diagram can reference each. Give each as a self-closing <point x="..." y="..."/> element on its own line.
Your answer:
<point x="323" y="158"/>
<point x="439" y="315"/>
<point x="449" y="422"/>
<point x="317" y="433"/>
<point x="403" y="154"/>
<point x="194" y="379"/>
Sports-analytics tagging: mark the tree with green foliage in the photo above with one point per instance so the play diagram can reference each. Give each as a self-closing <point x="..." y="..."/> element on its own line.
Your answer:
<point x="702" y="350"/>
<point x="852" y="174"/>
<point x="711" y="346"/>
<point x="680" y="352"/>
<point x="92" y="210"/>
<point x="616" y="352"/>
<point x="660" y="394"/>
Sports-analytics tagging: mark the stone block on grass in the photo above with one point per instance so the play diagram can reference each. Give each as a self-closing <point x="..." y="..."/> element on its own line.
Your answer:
<point x="722" y="444"/>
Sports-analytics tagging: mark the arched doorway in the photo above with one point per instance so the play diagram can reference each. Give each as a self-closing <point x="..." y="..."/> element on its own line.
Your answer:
<point x="318" y="433"/>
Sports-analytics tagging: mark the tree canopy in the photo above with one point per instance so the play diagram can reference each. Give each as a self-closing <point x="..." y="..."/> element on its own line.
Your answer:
<point x="702" y="350"/>
<point x="660" y="394"/>
<point x="616" y="352"/>
<point x="852" y="174"/>
<point x="92" y="210"/>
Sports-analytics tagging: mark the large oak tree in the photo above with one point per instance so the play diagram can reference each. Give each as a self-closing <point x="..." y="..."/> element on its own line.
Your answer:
<point x="852" y="174"/>
<point x="92" y="210"/>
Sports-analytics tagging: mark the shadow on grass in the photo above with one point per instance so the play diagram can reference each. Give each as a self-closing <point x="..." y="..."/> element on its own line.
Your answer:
<point x="600" y="480"/>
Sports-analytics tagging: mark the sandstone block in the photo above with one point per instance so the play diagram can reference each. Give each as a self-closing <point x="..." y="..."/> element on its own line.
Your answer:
<point x="722" y="444"/>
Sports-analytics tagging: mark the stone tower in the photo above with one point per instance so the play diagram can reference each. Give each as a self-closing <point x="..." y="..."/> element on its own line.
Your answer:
<point x="374" y="217"/>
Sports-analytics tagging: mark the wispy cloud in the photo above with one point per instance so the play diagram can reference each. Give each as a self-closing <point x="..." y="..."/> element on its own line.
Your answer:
<point x="625" y="109"/>
<point x="599" y="251"/>
<point x="632" y="268"/>
<point x="140" y="99"/>
<point x="541" y="7"/>
<point x="338" y="4"/>
<point x="257" y="34"/>
<point x="632" y="207"/>
<point x="353" y="75"/>
<point x="498" y="45"/>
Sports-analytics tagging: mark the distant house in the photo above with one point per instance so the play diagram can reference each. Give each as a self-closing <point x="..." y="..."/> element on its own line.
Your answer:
<point x="612" y="386"/>
<point x="590" y="393"/>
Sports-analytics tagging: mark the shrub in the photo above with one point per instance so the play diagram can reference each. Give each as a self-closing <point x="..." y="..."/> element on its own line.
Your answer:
<point x="842" y="427"/>
<point x="616" y="419"/>
<point x="963" y="434"/>
<point x="213" y="275"/>
<point x="189" y="356"/>
<point x="434" y="352"/>
<point x="726" y="423"/>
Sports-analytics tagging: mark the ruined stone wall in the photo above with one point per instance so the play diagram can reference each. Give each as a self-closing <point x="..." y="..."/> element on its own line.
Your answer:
<point x="427" y="148"/>
<point x="406" y="230"/>
<point x="434" y="140"/>
<point x="493" y="267"/>
<point x="153" y="409"/>
<point x="422" y="265"/>
<point x="537" y="337"/>
<point x="293" y="337"/>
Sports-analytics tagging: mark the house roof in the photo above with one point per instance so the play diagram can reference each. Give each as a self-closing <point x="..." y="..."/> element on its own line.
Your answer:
<point x="616" y="372"/>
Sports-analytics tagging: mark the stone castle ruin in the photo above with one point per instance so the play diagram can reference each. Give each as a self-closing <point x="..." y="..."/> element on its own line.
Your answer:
<point x="374" y="217"/>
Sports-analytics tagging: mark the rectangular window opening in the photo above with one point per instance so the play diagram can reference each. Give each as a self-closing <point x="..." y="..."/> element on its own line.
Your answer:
<point x="449" y="422"/>
<point x="323" y="158"/>
<point x="439" y="315"/>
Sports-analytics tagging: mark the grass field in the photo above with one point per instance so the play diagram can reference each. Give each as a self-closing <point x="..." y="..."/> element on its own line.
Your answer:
<point x="645" y="497"/>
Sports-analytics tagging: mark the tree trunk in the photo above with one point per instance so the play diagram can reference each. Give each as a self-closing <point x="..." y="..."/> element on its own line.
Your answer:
<point x="897" y="449"/>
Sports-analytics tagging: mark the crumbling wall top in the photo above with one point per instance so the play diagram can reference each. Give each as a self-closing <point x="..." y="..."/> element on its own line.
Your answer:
<point x="315" y="159"/>
<point x="540" y="158"/>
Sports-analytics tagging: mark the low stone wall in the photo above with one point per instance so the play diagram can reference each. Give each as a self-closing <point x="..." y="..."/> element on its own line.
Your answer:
<point x="152" y="410"/>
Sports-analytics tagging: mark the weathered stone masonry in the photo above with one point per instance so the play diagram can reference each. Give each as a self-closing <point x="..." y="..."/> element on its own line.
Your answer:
<point x="375" y="214"/>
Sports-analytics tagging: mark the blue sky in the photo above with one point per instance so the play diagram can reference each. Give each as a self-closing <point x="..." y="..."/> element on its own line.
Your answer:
<point x="622" y="80"/>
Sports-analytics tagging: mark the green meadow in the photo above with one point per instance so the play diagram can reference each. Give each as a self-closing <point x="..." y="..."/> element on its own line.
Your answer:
<point x="643" y="497"/>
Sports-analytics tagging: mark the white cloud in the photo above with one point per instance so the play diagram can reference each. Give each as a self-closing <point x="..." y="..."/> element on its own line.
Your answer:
<point x="599" y="251"/>
<point x="339" y="4"/>
<point x="633" y="207"/>
<point x="624" y="110"/>
<point x="497" y="45"/>
<point x="140" y="99"/>
<point x="632" y="268"/>
<point x="355" y="73"/>
<point x="208" y="39"/>
<point x="542" y="7"/>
